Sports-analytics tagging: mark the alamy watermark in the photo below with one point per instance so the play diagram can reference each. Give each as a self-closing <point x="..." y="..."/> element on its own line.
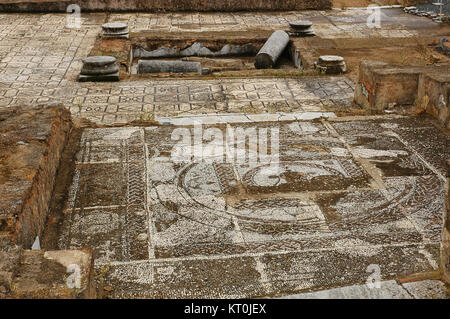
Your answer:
<point x="238" y="145"/>
<point x="374" y="18"/>
<point x="374" y="279"/>
<point x="73" y="20"/>
<point x="74" y="279"/>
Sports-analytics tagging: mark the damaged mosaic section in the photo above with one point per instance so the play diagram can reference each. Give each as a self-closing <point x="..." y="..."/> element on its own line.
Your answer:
<point x="329" y="200"/>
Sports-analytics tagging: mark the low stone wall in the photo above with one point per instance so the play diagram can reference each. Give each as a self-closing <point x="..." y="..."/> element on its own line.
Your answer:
<point x="32" y="140"/>
<point x="162" y="5"/>
<point x="382" y="85"/>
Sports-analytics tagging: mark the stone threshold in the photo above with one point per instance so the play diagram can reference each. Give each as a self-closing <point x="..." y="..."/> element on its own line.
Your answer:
<point x="228" y="118"/>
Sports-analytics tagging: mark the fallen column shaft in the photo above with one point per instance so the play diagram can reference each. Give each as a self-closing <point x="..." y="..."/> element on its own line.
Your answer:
<point x="168" y="66"/>
<point x="272" y="49"/>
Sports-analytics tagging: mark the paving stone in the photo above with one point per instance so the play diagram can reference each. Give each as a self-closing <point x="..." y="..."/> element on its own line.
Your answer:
<point x="427" y="289"/>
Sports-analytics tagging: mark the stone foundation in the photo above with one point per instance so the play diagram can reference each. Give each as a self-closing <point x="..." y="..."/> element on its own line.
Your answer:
<point x="382" y="85"/>
<point x="31" y="143"/>
<point x="162" y="5"/>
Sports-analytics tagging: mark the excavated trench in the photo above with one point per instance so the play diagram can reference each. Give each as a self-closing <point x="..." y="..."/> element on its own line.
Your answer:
<point x="214" y="56"/>
<point x="191" y="54"/>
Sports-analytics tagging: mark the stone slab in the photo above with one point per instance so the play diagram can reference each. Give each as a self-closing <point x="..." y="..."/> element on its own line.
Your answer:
<point x="427" y="289"/>
<point x="387" y="290"/>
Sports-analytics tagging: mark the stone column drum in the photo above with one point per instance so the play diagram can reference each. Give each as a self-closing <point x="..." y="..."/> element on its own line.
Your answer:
<point x="99" y="68"/>
<point x="115" y="30"/>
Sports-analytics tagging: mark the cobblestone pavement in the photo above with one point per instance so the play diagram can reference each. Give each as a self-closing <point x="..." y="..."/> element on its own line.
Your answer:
<point x="346" y="194"/>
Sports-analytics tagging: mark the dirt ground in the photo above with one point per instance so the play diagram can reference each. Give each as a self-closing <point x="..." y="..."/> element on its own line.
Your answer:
<point x="410" y="51"/>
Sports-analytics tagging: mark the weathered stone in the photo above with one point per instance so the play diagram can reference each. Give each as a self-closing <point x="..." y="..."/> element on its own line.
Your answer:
<point x="9" y="262"/>
<point x="301" y="28"/>
<point x="196" y="49"/>
<point x="115" y="30"/>
<point x="433" y="94"/>
<point x="98" y="61"/>
<point x="426" y="289"/>
<point x="99" y="68"/>
<point x="300" y="24"/>
<point x="387" y="290"/>
<point x="103" y="70"/>
<point x="54" y="274"/>
<point x="381" y="84"/>
<point x="114" y="26"/>
<point x="28" y="169"/>
<point x="331" y="64"/>
<point x="158" y="66"/>
<point x="268" y="55"/>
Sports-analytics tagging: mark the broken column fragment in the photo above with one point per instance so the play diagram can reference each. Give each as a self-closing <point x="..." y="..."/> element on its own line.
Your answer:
<point x="272" y="49"/>
<point x="99" y="68"/>
<point x="159" y="66"/>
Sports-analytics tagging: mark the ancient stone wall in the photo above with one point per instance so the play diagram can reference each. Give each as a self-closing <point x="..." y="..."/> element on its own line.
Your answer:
<point x="426" y="88"/>
<point x="31" y="143"/>
<point x="162" y="5"/>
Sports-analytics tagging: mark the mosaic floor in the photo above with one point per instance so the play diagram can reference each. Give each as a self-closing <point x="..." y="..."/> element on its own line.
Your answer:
<point x="40" y="58"/>
<point x="345" y="193"/>
<point x="340" y="196"/>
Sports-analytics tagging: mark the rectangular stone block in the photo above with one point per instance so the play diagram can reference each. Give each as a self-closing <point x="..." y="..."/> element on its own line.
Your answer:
<point x="380" y="84"/>
<point x="434" y="93"/>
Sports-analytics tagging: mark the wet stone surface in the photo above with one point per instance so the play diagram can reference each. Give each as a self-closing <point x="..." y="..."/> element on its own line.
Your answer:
<point x="170" y="225"/>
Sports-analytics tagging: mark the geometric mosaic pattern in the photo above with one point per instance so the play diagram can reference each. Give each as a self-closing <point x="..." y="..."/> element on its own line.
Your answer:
<point x="330" y="209"/>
